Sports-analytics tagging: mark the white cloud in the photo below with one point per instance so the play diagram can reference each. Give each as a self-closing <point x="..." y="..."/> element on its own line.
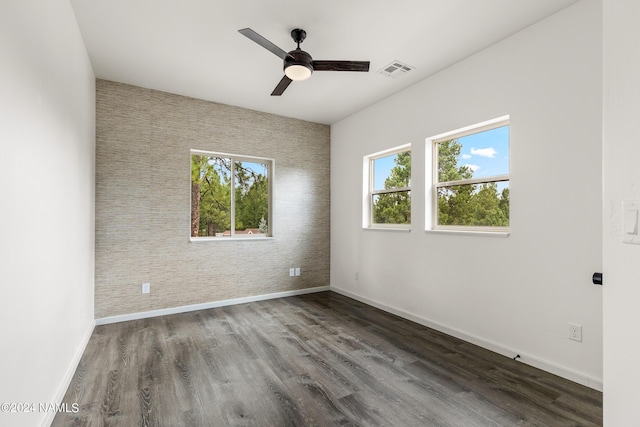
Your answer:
<point x="466" y="156"/>
<point x="473" y="167"/>
<point x="484" y="152"/>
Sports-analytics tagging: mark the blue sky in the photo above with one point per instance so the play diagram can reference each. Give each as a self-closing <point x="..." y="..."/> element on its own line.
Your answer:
<point x="486" y="153"/>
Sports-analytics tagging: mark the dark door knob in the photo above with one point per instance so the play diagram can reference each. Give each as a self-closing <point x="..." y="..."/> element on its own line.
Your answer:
<point x="597" y="278"/>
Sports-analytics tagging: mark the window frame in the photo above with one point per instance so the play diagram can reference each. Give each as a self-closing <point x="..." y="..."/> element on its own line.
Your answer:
<point x="371" y="193"/>
<point x="270" y="162"/>
<point x="436" y="184"/>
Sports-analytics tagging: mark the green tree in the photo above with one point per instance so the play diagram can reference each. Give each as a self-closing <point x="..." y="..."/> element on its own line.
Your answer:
<point x="263" y="226"/>
<point x="253" y="205"/>
<point x="215" y="204"/>
<point x="448" y="169"/>
<point x="504" y="203"/>
<point x="486" y="207"/>
<point x="210" y="195"/>
<point x="395" y="207"/>
<point x="469" y="204"/>
<point x="454" y="201"/>
<point x="197" y="163"/>
<point x="252" y="194"/>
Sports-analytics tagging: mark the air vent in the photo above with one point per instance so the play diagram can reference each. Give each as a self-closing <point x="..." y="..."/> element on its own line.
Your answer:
<point x="396" y="69"/>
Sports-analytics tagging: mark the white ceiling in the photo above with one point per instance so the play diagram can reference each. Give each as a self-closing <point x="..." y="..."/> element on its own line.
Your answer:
<point x="193" y="48"/>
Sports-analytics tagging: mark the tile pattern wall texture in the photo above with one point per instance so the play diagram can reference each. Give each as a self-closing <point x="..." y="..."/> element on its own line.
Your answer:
<point x="143" y="143"/>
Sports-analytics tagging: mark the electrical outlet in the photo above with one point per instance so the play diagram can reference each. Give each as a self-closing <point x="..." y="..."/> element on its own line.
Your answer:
<point x="292" y="272"/>
<point x="575" y="332"/>
<point x="146" y="288"/>
<point x="297" y="271"/>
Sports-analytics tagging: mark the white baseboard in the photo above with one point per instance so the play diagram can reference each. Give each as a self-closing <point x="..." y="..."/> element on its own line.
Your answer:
<point x="206" y="305"/>
<point x="534" y="361"/>
<point x="71" y="370"/>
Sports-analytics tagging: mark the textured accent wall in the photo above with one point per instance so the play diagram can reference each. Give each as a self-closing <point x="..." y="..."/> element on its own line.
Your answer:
<point x="143" y="138"/>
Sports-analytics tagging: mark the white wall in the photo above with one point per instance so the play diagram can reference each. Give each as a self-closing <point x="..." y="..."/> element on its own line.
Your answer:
<point x="515" y="294"/>
<point x="47" y="216"/>
<point x="621" y="152"/>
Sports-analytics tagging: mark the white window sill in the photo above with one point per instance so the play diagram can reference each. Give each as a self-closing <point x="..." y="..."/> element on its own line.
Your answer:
<point x="387" y="228"/>
<point x="500" y="234"/>
<point x="227" y="239"/>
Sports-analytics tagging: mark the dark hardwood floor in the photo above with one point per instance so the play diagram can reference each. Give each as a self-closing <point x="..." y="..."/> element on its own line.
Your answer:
<point x="319" y="359"/>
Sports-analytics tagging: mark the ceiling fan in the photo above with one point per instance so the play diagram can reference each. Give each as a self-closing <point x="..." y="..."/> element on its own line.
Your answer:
<point x="298" y="64"/>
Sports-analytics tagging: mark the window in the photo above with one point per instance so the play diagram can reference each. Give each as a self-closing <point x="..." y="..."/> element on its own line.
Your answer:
<point x="389" y="188"/>
<point x="230" y="196"/>
<point x="471" y="178"/>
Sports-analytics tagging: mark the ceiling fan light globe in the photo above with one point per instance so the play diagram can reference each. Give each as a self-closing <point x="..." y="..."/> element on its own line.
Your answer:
<point x="297" y="72"/>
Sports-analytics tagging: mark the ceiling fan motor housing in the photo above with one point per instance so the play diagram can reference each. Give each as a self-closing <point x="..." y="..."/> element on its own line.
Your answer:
<point x="298" y="57"/>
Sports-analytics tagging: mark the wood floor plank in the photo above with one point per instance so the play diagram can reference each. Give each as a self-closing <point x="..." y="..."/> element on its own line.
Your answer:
<point x="313" y="360"/>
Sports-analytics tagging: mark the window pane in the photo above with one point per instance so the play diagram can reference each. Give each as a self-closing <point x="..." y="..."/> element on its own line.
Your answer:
<point x="251" y="197"/>
<point x="392" y="171"/>
<point x="210" y="196"/>
<point x="392" y="208"/>
<point x="474" y="156"/>
<point x="223" y="205"/>
<point x="474" y="205"/>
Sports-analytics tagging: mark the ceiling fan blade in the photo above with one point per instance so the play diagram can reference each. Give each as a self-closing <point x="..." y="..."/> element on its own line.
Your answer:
<point x="284" y="83"/>
<point x="248" y="32"/>
<point x="341" y="66"/>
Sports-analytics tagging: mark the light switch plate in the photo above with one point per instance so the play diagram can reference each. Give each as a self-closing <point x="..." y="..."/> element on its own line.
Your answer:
<point x="630" y="215"/>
